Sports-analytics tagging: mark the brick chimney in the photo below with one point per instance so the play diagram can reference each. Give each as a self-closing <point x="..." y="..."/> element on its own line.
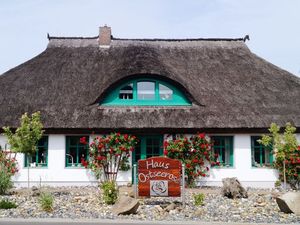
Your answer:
<point x="104" y="36"/>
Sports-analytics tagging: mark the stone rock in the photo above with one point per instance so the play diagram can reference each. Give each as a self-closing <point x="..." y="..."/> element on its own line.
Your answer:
<point x="125" y="206"/>
<point x="199" y="212"/>
<point x="34" y="188"/>
<point x="35" y="191"/>
<point x="170" y="207"/>
<point x="289" y="202"/>
<point x="232" y="188"/>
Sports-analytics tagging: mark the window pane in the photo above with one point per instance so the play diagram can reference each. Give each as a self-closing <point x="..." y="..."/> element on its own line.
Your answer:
<point x="82" y="154"/>
<point x="42" y="155"/>
<point x="126" y="92"/>
<point x="71" y="156"/>
<point x="165" y="93"/>
<point x="146" y="90"/>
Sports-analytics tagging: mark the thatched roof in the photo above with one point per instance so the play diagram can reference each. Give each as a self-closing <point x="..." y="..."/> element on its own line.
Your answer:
<point x="229" y="86"/>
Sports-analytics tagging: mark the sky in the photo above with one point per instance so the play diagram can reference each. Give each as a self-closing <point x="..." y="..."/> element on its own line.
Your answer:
<point x="273" y="25"/>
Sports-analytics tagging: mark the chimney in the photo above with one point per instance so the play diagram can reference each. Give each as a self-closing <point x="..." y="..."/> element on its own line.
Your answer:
<point x="104" y="37"/>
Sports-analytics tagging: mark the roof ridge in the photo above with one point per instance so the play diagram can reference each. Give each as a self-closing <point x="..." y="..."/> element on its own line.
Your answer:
<point x="156" y="39"/>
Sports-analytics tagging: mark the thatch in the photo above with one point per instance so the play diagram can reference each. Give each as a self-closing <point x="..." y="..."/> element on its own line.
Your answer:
<point x="229" y="86"/>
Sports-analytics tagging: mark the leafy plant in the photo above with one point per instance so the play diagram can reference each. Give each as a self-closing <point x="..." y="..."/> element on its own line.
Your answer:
<point x="25" y="138"/>
<point x="110" y="192"/>
<point x="124" y="164"/>
<point x="6" y="204"/>
<point x="106" y="154"/>
<point x="46" y="201"/>
<point x="8" y="167"/>
<point x="196" y="153"/>
<point x="199" y="199"/>
<point x="287" y="152"/>
<point x="5" y="182"/>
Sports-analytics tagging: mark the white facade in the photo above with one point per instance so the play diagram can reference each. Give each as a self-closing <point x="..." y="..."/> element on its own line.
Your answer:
<point x="57" y="174"/>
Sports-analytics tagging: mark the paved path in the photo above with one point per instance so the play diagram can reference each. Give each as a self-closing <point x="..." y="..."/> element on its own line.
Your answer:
<point x="110" y="222"/>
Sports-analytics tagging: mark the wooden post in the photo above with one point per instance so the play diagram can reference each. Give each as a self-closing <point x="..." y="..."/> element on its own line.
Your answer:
<point x="135" y="181"/>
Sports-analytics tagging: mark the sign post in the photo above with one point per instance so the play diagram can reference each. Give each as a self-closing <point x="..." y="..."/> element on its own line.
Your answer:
<point x="159" y="176"/>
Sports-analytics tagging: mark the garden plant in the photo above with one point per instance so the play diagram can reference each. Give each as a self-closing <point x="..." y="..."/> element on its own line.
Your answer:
<point x="8" y="168"/>
<point x="196" y="153"/>
<point x="26" y="137"/>
<point x="105" y="157"/>
<point x="287" y="153"/>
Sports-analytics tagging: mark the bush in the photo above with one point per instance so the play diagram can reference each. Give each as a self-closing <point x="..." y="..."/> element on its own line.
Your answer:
<point x="5" y="204"/>
<point x="46" y="201"/>
<point x="5" y="182"/>
<point x="199" y="199"/>
<point x="110" y="192"/>
<point x="196" y="153"/>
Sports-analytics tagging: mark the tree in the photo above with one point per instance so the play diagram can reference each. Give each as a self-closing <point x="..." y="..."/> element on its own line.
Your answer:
<point x="196" y="153"/>
<point x="26" y="137"/>
<point x="287" y="153"/>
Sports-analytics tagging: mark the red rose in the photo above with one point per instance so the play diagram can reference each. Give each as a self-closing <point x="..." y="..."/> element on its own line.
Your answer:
<point x="83" y="140"/>
<point x="165" y="152"/>
<point x="166" y="144"/>
<point x="202" y="135"/>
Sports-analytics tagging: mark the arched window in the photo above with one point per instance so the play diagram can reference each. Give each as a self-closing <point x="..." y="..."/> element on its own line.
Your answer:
<point x="146" y="92"/>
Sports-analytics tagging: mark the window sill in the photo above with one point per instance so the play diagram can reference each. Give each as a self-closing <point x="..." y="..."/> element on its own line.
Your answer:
<point x="36" y="167"/>
<point x="74" y="167"/>
<point x="223" y="167"/>
<point x="262" y="167"/>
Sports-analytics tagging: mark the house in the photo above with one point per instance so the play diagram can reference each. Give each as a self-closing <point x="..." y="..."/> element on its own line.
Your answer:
<point x="152" y="88"/>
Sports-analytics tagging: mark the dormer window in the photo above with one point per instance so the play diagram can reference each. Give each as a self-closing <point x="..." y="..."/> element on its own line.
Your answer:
<point x="146" y="92"/>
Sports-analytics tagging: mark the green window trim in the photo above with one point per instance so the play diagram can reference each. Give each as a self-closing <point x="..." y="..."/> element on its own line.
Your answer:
<point x="73" y="159"/>
<point x="37" y="157"/>
<point x="223" y="145"/>
<point x="261" y="156"/>
<point x="177" y="97"/>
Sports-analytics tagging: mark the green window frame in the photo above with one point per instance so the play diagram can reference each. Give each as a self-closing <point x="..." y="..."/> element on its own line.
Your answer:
<point x="158" y="93"/>
<point x="40" y="158"/>
<point x="75" y="151"/>
<point x="261" y="156"/>
<point x="223" y="146"/>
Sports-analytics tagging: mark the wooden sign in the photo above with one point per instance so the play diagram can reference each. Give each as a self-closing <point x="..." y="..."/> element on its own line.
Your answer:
<point x="159" y="176"/>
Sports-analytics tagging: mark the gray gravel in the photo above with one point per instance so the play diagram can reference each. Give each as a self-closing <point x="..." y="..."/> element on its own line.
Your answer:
<point x="85" y="202"/>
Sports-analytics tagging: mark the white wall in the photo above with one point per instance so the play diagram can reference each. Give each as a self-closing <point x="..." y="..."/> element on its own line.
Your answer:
<point x="242" y="169"/>
<point x="57" y="174"/>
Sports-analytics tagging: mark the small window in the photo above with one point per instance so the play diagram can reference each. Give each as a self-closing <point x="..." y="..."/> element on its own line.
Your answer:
<point x="75" y="151"/>
<point x="126" y="92"/>
<point x="261" y="156"/>
<point x="165" y="93"/>
<point x="40" y="158"/>
<point x="146" y="90"/>
<point x="223" y="147"/>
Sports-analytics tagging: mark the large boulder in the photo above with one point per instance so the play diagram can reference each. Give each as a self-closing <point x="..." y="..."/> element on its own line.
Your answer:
<point x="232" y="188"/>
<point x="126" y="205"/>
<point x="289" y="202"/>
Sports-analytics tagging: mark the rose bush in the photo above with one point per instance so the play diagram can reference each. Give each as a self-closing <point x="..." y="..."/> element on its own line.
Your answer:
<point x="106" y="153"/>
<point x="196" y="153"/>
<point x="8" y="168"/>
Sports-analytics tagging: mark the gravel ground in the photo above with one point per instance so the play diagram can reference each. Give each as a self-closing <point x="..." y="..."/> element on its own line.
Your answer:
<point x="85" y="202"/>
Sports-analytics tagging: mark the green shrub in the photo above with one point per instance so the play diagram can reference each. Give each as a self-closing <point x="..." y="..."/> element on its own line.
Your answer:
<point x="5" y="204"/>
<point x="5" y="182"/>
<point x="199" y="199"/>
<point x="110" y="192"/>
<point x="46" y="201"/>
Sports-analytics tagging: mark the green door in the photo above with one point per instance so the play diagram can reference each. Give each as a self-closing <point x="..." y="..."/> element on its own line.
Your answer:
<point x="148" y="146"/>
